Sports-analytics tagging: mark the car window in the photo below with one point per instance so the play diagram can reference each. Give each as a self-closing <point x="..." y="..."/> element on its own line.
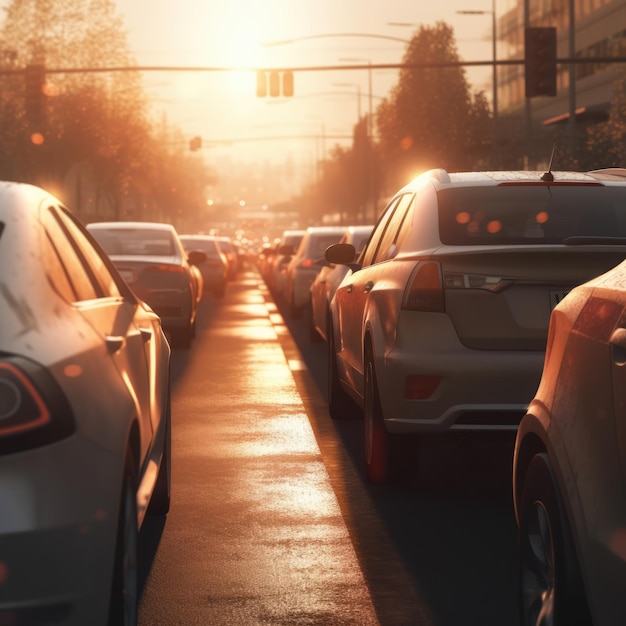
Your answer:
<point x="530" y="214"/>
<point x="368" y="253"/>
<point x="387" y="247"/>
<point x="96" y="265"/>
<point x="83" y="288"/>
<point x="319" y="243"/>
<point x="208" y="246"/>
<point x="135" y="241"/>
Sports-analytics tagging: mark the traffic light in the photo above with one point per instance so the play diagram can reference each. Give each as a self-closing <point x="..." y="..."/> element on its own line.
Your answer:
<point x="540" y="61"/>
<point x="261" y="84"/>
<point x="288" y="84"/>
<point x="274" y="83"/>
<point x="195" y="144"/>
<point x="34" y="96"/>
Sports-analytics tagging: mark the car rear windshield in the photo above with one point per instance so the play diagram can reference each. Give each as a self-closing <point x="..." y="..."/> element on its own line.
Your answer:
<point x="208" y="246"/>
<point x="530" y="214"/>
<point x="318" y="244"/>
<point x="127" y="241"/>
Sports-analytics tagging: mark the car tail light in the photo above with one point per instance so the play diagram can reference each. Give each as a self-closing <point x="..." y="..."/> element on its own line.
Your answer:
<point x="420" y="387"/>
<point x="33" y="410"/>
<point x="425" y="290"/>
<point x="21" y="406"/>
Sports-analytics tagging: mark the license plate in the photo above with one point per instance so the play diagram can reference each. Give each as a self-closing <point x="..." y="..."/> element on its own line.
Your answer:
<point x="556" y="296"/>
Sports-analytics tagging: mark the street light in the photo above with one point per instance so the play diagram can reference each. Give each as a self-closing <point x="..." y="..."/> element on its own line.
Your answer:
<point x="495" y="73"/>
<point x="282" y="42"/>
<point x="369" y="81"/>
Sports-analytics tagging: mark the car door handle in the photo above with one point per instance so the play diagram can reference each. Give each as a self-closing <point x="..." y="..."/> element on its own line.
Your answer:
<point x="368" y="286"/>
<point x="618" y="346"/>
<point x="114" y="343"/>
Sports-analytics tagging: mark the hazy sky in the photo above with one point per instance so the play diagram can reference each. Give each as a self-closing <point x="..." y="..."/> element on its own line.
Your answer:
<point x="227" y="33"/>
<point x="223" y="106"/>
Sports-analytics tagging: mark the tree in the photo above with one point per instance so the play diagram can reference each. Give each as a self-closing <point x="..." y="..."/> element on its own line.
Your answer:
<point x="430" y="119"/>
<point x="98" y="152"/>
<point x="606" y="142"/>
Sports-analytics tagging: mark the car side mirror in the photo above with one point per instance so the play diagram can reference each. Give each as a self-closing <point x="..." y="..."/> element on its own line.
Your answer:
<point x="196" y="257"/>
<point x="342" y="254"/>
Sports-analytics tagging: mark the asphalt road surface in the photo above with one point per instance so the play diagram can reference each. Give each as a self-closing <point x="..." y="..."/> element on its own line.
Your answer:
<point x="272" y="520"/>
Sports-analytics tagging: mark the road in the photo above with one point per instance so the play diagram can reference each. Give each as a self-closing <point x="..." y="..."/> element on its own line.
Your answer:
<point x="272" y="520"/>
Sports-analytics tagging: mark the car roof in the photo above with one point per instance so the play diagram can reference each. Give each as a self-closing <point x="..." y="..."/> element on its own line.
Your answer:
<point x="127" y="225"/>
<point x="442" y="179"/>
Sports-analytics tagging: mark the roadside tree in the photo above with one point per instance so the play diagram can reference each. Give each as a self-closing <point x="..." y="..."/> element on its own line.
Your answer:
<point x="430" y="119"/>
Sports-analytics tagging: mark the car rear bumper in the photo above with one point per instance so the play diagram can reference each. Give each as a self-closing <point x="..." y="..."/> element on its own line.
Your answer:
<point x="57" y="534"/>
<point x="478" y="389"/>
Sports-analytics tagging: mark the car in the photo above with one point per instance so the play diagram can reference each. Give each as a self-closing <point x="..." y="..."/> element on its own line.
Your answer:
<point x="284" y="250"/>
<point x="85" y="424"/>
<point x="214" y="268"/>
<point x="303" y="266"/>
<point x="327" y="280"/>
<point x="440" y="326"/>
<point x="152" y="259"/>
<point x="569" y="469"/>
<point x="228" y="248"/>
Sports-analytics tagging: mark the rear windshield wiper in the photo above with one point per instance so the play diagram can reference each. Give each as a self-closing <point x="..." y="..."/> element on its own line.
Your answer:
<point x="594" y="240"/>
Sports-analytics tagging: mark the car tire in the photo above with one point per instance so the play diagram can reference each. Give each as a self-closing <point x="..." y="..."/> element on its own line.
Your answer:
<point x="550" y="585"/>
<point x="184" y="337"/>
<point x="340" y="405"/>
<point x="314" y="336"/>
<point x="160" y="501"/>
<point x="389" y="459"/>
<point x="124" y="603"/>
<point x="295" y="312"/>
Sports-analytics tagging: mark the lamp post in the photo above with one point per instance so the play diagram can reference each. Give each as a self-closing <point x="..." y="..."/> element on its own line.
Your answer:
<point x="495" y="73"/>
<point x="369" y="89"/>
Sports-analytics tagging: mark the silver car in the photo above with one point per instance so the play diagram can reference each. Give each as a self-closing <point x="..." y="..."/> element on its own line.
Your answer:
<point x="441" y="324"/>
<point x="328" y="279"/>
<point x="153" y="261"/>
<point x="84" y="420"/>
<point x="303" y="267"/>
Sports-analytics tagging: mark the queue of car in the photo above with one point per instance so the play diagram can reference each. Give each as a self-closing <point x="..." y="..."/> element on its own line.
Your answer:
<point x="153" y="261"/>
<point x="441" y="325"/>
<point x="479" y="302"/>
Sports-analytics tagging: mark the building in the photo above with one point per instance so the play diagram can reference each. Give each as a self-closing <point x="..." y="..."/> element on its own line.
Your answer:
<point x="586" y="30"/>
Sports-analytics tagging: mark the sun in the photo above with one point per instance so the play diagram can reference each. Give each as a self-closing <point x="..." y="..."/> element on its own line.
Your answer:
<point x="243" y="50"/>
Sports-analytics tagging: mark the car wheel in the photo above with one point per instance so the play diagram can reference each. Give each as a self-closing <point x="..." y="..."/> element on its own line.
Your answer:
<point x="314" y="336"/>
<point x="295" y="312"/>
<point x="550" y="585"/>
<point x="184" y="337"/>
<point x="340" y="405"/>
<point x="160" y="502"/>
<point x="388" y="458"/>
<point x="125" y="590"/>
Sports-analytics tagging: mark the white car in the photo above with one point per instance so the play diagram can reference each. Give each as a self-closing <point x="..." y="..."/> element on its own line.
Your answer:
<point x="303" y="266"/>
<point x="328" y="279"/>
<point x="441" y="323"/>
<point x="569" y="470"/>
<point x="84" y="420"/>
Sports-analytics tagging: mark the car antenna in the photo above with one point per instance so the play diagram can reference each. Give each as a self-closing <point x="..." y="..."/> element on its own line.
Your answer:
<point x="549" y="176"/>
